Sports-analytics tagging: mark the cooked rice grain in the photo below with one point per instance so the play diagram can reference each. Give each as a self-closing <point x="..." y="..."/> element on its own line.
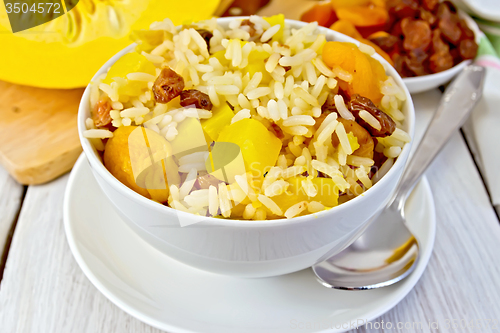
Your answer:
<point x="270" y="204"/>
<point x="97" y="134"/>
<point x="296" y="209"/>
<point x="370" y="120"/>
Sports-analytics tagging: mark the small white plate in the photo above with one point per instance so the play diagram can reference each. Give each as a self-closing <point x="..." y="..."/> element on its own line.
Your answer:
<point x="486" y="9"/>
<point x="175" y="297"/>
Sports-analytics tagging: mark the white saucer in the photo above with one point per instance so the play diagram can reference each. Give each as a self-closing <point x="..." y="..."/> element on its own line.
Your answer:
<point x="178" y="298"/>
<point x="486" y="9"/>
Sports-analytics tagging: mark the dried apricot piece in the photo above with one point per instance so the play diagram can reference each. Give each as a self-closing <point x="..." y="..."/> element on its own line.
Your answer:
<point x="322" y="13"/>
<point x="377" y="69"/>
<point x="348" y="29"/>
<point x="363" y="16"/>
<point x="336" y="4"/>
<point x="340" y="54"/>
<point x="365" y="82"/>
<point x="366" y="72"/>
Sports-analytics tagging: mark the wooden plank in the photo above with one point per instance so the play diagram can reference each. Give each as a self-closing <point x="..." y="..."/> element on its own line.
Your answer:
<point x="11" y="194"/>
<point x="43" y="289"/>
<point x="53" y="295"/>
<point x="464" y="265"/>
<point x="38" y="136"/>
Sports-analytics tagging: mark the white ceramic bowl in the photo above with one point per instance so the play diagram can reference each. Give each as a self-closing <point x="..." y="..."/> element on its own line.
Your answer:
<point x="247" y="248"/>
<point x="423" y="83"/>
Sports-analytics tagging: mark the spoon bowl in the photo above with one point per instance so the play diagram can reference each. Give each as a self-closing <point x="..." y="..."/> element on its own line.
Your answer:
<point x="384" y="254"/>
<point x="387" y="251"/>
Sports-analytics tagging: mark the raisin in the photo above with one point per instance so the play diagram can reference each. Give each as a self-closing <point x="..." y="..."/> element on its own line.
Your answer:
<point x="455" y="55"/>
<point x="251" y="28"/>
<point x="428" y="17"/>
<point x="379" y="159"/>
<point x="417" y="34"/>
<point x="204" y="182"/>
<point x="430" y="5"/>
<point x="440" y="62"/>
<point x="449" y="24"/>
<point x="399" y="61"/>
<point x="467" y="33"/>
<point x="359" y="103"/>
<point x="468" y="49"/>
<point x="396" y="30"/>
<point x="100" y="114"/>
<point x="206" y="36"/>
<point x="414" y="62"/>
<point x="277" y="131"/>
<point x="329" y="105"/>
<point x="441" y="58"/>
<point x="438" y="45"/>
<point x="402" y="8"/>
<point x="168" y="85"/>
<point x="451" y="6"/>
<point x="386" y="43"/>
<point x="197" y="98"/>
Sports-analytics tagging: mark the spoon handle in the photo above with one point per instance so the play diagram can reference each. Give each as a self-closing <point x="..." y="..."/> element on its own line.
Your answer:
<point x="456" y="104"/>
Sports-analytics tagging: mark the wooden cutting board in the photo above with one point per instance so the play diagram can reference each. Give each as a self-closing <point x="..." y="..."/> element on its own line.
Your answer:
<point x="38" y="134"/>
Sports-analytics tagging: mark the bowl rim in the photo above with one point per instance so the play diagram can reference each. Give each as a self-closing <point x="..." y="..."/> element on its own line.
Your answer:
<point x="458" y="67"/>
<point x="98" y="166"/>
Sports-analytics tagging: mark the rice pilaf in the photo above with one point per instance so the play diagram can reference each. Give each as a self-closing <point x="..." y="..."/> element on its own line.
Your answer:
<point x="287" y="95"/>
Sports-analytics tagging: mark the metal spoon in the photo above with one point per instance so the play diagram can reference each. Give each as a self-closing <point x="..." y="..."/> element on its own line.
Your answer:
<point x="387" y="251"/>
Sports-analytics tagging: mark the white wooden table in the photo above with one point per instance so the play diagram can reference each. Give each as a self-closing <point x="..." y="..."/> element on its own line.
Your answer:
<point x="44" y="290"/>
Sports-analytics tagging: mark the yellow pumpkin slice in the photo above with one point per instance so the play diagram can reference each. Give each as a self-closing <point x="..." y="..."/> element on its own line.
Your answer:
<point x="67" y="51"/>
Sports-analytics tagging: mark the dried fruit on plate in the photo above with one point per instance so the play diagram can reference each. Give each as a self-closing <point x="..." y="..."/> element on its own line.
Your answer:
<point x="322" y="13"/>
<point x="348" y="29"/>
<point x="294" y="143"/>
<point x="363" y="16"/>
<point x="417" y="37"/>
